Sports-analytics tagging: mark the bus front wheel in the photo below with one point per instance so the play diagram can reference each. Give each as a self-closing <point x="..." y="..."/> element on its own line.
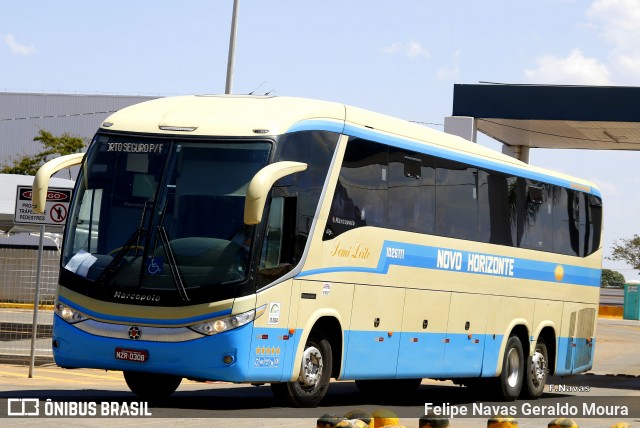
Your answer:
<point x="511" y="378"/>
<point x="151" y="385"/>
<point x="315" y="374"/>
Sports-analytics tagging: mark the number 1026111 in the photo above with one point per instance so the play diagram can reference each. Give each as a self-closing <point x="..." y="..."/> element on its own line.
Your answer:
<point x="395" y="253"/>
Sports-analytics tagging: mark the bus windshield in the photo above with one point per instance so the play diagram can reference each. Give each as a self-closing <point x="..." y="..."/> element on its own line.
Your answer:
<point x="157" y="215"/>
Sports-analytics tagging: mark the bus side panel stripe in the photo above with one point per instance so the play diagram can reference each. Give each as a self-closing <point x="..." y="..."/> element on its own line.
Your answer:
<point x="423" y="357"/>
<point x="426" y="257"/>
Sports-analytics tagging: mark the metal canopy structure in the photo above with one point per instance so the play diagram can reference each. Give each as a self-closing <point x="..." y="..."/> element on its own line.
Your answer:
<point x="553" y="117"/>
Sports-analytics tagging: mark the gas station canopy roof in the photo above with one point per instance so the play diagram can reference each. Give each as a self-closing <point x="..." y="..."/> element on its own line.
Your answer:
<point x="561" y="117"/>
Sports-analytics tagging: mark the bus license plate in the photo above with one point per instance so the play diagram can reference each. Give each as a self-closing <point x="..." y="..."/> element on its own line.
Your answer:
<point x="137" y="355"/>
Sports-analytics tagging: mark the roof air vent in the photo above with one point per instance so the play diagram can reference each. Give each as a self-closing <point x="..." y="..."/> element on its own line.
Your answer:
<point x="178" y="128"/>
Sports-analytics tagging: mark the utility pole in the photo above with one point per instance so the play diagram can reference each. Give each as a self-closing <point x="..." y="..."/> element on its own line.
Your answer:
<point x="232" y="47"/>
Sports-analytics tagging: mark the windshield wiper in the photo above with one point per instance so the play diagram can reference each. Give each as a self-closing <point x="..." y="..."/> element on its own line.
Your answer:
<point x="111" y="268"/>
<point x="175" y="272"/>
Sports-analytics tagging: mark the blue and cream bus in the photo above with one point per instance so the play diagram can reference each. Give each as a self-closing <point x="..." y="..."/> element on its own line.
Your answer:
<point x="290" y="241"/>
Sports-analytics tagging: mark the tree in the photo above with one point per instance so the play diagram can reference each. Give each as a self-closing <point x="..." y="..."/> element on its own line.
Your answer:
<point x="627" y="250"/>
<point x="611" y="278"/>
<point x="53" y="147"/>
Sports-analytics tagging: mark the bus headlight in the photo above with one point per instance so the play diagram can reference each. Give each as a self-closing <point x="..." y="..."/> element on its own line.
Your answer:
<point x="69" y="314"/>
<point x="220" y="325"/>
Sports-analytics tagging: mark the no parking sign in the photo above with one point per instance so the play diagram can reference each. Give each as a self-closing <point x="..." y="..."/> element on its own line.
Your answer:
<point x="55" y="211"/>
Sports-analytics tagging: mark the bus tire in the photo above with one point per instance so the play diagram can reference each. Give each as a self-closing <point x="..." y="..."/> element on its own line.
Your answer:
<point x="537" y="371"/>
<point x="151" y="385"/>
<point x="315" y="374"/>
<point x="512" y="376"/>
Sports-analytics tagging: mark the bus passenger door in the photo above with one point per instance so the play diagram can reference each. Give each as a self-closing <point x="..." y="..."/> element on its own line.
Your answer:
<point x="374" y="338"/>
<point x="465" y="340"/>
<point x="424" y="328"/>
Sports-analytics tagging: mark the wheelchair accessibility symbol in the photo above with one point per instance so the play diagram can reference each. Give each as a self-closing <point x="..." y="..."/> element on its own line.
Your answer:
<point x="155" y="265"/>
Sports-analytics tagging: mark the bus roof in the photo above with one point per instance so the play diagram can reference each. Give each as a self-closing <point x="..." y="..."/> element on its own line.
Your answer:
<point x="222" y="115"/>
<point x="251" y="116"/>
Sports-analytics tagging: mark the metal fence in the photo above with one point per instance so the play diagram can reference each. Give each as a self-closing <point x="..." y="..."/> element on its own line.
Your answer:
<point x="17" y="293"/>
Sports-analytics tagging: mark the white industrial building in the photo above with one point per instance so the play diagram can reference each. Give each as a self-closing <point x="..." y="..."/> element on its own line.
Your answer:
<point x="22" y="116"/>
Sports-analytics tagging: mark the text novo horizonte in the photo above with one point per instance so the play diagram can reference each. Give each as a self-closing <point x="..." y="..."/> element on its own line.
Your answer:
<point x="474" y="262"/>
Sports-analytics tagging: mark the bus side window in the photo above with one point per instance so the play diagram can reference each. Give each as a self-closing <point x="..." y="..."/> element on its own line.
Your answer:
<point x="276" y="257"/>
<point x="364" y="175"/>
<point x="536" y="216"/>
<point x="456" y="200"/>
<point x="360" y="197"/>
<point x="411" y="191"/>
<point x="496" y="208"/>
<point x="566" y="221"/>
<point x="272" y="243"/>
<point x="594" y="219"/>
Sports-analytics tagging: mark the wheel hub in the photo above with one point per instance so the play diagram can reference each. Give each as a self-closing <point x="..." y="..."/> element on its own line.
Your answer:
<point x="538" y="367"/>
<point x="312" y="365"/>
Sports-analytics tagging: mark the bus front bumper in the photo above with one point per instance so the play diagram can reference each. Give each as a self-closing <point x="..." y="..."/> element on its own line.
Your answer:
<point x="221" y="357"/>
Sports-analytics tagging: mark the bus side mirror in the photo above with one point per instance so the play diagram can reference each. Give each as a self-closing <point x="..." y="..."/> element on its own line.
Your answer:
<point x="41" y="182"/>
<point x="261" y="184"/>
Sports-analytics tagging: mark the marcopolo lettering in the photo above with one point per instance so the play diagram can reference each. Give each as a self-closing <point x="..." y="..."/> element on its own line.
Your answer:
<point x="139" y="297"/>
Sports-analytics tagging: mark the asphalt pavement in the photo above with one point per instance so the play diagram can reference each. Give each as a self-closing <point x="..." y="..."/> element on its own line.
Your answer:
<point x="615" y="379"/>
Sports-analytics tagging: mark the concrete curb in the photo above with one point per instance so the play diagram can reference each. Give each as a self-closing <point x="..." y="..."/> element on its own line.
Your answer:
<point x="9" y="305"/>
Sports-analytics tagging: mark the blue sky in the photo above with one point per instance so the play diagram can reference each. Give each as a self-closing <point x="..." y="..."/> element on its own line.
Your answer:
<point x="400" y="58"/>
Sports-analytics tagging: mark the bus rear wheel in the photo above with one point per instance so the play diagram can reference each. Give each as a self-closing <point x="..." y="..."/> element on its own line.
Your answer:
<point x="151" y="385"/>
<point x="315" y="374"/>
<point x="512" y="376"/>
<point x="537" y="371"/>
